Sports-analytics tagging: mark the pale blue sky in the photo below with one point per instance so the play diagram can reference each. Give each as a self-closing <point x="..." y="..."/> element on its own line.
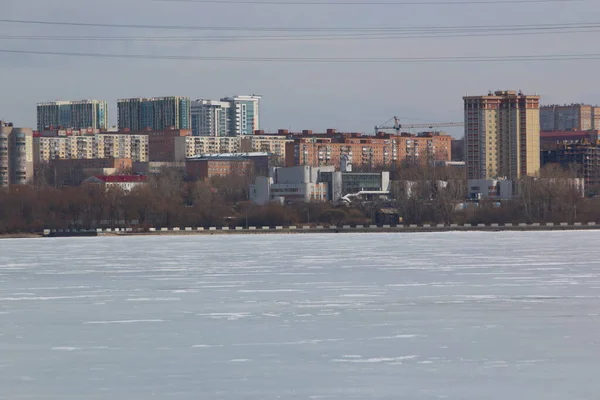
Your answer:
<point x="297" y="96"/>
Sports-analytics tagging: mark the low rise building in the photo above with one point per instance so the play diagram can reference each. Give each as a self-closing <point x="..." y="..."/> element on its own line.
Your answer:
<point x="291" y="184"/>
<point x="208" y="166"/>
<point x="122" y="182"/>
<point x="490" y="189"/>
<point x="307" y="183"/>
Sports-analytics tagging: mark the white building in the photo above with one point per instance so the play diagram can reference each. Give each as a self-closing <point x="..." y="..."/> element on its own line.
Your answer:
<point x="306" y="183"/>
<point x="125" y="183"/>
<point x="210" y="118"/>
<point x="490" y="189"/>
<point x="291" y="184"/>
<point x="244" y="114"/>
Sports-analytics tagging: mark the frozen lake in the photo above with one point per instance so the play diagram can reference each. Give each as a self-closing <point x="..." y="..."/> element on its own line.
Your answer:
<point x="465" y="316"/>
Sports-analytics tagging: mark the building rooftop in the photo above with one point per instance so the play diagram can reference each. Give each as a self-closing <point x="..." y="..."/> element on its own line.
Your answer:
<point x="118" y="178"/>
<point x="228" y="156"/>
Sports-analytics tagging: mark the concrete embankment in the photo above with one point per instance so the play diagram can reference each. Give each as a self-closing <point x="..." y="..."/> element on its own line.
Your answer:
<point x="307" y="229"/>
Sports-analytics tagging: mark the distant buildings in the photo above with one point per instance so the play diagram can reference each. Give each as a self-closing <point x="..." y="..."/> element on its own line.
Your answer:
<point x="579" y="117"/>
<point x="502" y="135"/>
<point x="231" y="116"/>
<point x="16" y="155"/>
<point x="73" y="114"/>
<point x="156" y="113"/>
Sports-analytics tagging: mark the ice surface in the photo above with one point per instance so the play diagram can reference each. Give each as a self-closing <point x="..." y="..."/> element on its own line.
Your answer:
<point x="465" y="316"/>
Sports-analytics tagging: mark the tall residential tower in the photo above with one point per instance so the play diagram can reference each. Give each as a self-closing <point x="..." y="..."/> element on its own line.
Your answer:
<point x="210" y="118"/>
<point x="502" y="135"/>
<point x="244" y="114"/>
<point x="156" y="113"/>
<point x="80" y="114"/>
<point x="16" y="155"/>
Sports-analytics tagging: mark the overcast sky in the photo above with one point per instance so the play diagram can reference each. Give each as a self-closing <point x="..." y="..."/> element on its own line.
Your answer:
<point x="346" y="96"/>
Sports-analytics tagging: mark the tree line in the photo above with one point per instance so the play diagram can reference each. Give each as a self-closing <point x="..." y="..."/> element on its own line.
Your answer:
<point x="420" y="195"/>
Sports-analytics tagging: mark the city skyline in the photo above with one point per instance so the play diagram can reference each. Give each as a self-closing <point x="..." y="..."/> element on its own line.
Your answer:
<point x="346" y="95"/>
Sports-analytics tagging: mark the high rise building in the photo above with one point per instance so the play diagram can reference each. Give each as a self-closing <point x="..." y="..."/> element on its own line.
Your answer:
<point x="244" y="114"/>
<point x="502" y="134"/>
<point x="16" y="155"/>
<point x="210" y="118"/>
<point x="572" y="117"/>
<point x="80" y="114"/>
<point x="156" y="113"/>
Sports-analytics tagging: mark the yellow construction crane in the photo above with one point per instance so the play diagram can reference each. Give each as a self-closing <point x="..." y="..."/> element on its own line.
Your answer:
<point x="398" y="126"/>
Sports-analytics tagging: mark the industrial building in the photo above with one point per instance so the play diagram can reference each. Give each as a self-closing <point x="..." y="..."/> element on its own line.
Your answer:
<point x="502" y="134"/>
<point x="16" y="155"/>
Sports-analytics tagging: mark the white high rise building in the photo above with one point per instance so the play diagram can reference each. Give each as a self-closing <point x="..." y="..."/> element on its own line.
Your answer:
<point x="231" y="116"/>
<point x="244" y="114"/>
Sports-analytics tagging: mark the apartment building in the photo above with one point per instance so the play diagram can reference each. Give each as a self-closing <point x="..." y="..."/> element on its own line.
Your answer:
<point x="367" y="151"/>
<point x="80" y="114"/>
<point x="16" y="155"/>
<point x="502" y="135"/>
<point x="243" y="114"/>
<point x="569" y="117"/>
<point x="47" y="148"/>
<point x="156" y="113"/>
<point x="210" y="118"/>
<point x="196" y="145"/>
<point x="273" y="144"/>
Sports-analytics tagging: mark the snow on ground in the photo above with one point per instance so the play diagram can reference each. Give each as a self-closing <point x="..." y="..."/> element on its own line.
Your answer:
<point x="459" y="316"/>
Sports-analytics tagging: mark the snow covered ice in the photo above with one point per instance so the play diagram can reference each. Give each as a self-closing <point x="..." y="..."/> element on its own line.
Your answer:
<point x="465" y="316"/>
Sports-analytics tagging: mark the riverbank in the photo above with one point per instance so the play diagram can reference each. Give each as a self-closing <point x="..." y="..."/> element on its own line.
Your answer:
<point x="307" y="229"/>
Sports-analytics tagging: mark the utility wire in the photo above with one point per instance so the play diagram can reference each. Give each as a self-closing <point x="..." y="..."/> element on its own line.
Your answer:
<point x="370" y="3"/>
<point x="404" y="29"/>
<point x="396" y="60"/>
<point x="255" y="38"/>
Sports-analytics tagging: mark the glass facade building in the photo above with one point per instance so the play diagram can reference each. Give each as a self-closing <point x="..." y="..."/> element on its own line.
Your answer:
<point x="156" y="113"/>
<point x="80" y="114"/>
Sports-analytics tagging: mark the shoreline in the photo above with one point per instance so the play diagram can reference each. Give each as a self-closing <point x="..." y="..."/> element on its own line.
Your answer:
<point x="307" y="230"/>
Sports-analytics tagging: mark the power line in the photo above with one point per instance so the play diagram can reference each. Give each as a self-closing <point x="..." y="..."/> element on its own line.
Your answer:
<point x="370" y="3"/>
<point x="403" y="29"/>
<point x="396" y="60"/>
<point x="188" y="39"/>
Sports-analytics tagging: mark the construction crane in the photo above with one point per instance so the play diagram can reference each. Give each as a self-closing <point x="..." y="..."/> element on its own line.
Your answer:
<point x="397" y="126"/>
